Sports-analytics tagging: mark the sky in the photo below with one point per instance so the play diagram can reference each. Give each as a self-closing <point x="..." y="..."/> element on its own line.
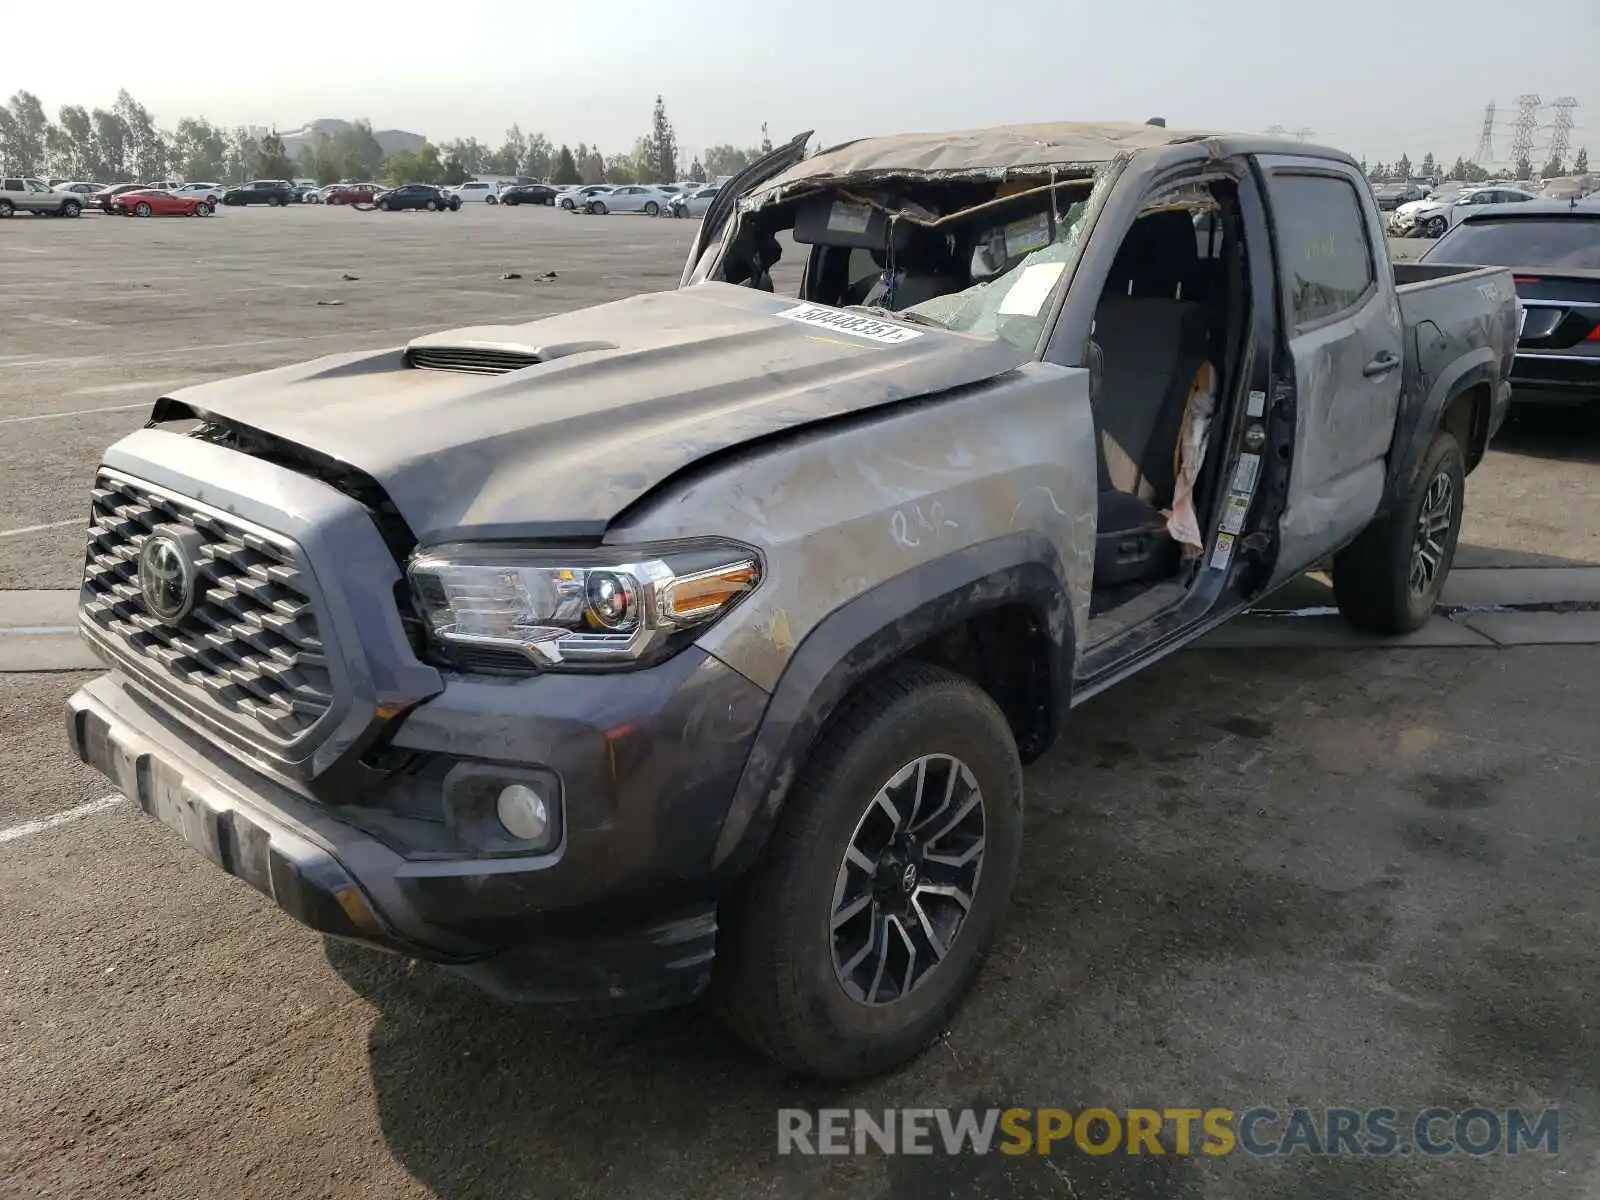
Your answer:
<point x="1375" y="77"/>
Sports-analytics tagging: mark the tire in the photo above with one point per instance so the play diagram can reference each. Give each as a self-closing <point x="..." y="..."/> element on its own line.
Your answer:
<point x="568" y="205"/>
<point x="7" y="208"/>
<point x="490" y="200"/>
<point x="273" y="202"/>
<point x="141" y="209"/>
<point x="652" y="209"/>
<point x="202" y="209"/>
<point x="1381" y="579"/>
<point x="384" y="206"/>
<point x="599" y="208"/>
<point x="432" y="206"/>
<point x="71" y="209"/>
<point x="778" y="982"/>
<point x="1435" y="227"/>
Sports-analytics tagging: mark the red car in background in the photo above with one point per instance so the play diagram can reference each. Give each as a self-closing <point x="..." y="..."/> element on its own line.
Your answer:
<point x="152" y="202"/>
<point x="351" y="193"/>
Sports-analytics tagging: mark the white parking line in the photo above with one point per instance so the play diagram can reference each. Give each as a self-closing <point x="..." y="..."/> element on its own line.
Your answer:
<point x="76" y="412"/>
<point x="29" y="828"/>
<point x="26" y="529"/>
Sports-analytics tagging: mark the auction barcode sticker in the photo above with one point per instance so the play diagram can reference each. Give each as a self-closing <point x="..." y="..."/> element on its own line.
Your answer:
<point x="837" y="321"/>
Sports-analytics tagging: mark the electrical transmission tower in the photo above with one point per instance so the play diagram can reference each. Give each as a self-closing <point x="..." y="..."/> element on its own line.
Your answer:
<point x="1524" y="128"/>
<point x="1561" y="130"/>
<point x="1485" y="152"/>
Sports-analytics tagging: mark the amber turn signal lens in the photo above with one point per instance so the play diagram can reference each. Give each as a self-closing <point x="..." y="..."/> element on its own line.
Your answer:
<point x="696" y="597"/>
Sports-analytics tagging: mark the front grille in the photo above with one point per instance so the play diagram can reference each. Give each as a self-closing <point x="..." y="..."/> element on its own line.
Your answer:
<point x="468" y="361"/>
<point x="249" y="650"/>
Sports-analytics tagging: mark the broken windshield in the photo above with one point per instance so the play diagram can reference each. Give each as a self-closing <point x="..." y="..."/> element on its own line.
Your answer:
<point x="1014" y="304"/>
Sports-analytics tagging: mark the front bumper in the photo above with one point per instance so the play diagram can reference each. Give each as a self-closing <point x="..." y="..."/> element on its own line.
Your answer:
<point x="620" y="915"/>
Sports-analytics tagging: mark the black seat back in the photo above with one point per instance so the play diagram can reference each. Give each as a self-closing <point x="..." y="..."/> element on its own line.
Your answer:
<point x="1153" y="341"/>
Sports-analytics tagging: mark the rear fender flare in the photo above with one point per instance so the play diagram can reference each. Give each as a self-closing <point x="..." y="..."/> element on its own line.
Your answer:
<point x="872" y="630"/>
<point x="1476" y="368"/>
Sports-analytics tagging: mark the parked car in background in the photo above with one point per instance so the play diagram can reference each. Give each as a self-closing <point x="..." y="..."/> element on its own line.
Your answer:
<point x="307" y="193"/>
<point x="1391" y="196"/>
<point x="102" y="199"/>
<point x="164" y="185"/>
<point x="211" y="193"/>
<point x="157" y="202"/>
<point x="416" y="196"/>
<point x="1434" y="217"/>
<point x="272" y="192"/>
<point x="24" y="194"/>
<point x="84" y="191"/>
<point x="692" y="204"/>
<point x="629" y="198"/>
<point x="1553" y="250"/>
<point x="573" y="199"/>
<point x="529" y="193"/>
<point x="475" y="191"/>
<point x="351" y="193"/>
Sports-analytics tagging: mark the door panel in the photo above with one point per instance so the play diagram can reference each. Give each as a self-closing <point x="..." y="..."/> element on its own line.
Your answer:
<point x="1346" y="339"/>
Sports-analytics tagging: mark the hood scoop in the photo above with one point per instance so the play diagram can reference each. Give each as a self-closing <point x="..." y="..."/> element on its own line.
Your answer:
<point x="469" y="355"/>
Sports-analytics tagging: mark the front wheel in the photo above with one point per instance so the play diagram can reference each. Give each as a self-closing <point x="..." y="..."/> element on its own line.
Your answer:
<point x="202" y="209"/>
<point x="432" y="206"/>
<point x="1388" y="580"/>
<point x="71" y="208"/>
<point x="599" y="209"/>
<point x="273" y="202"/>
<point x="855" y="937"/>
<point x="141" y="209"/>
<point x="1436" y="227"/>
<point x="490" y="200"/>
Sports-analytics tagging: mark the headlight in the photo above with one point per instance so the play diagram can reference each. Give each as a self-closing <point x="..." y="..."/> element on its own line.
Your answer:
<point x="577" y="609"/>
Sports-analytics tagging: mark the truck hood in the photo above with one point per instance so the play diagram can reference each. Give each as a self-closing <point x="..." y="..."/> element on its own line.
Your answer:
<point x="613" y="401"/>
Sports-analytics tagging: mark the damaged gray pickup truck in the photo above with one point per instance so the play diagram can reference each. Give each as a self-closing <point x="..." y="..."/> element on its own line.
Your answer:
<point x="694" y="643"/>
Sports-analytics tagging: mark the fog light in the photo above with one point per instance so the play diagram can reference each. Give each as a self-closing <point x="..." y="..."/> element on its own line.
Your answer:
<point x="523" y="812"/>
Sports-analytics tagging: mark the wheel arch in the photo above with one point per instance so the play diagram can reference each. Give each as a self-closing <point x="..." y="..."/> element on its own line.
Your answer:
<point x="998" y="613"/>
<point x="1461" y="401"/>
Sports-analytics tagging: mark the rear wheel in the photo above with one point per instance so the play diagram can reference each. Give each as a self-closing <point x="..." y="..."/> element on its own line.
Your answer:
<point x="1388" y="580"/>
<point x="7" y="208"/>
<point x="854" y="939"/>
<point x="273" y="202"/>
<point x="432" y="206"/>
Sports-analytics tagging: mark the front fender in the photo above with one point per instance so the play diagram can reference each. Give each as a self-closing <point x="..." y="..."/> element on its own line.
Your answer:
<point x="876" y="628"/>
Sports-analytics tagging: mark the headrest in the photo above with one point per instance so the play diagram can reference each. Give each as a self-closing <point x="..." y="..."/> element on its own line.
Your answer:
<point x="1160" y="252"/>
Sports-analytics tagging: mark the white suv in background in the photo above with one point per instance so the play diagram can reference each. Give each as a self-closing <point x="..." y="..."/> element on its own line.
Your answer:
<point x="211" y="191"/>
<point x="476" y="192"/>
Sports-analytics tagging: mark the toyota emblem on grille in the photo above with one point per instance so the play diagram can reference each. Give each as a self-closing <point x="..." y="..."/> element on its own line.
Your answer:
<point x="166" y="577"/>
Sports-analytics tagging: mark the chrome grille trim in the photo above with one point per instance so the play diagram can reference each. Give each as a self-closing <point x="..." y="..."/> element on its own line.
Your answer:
<point x="250" y="654"/>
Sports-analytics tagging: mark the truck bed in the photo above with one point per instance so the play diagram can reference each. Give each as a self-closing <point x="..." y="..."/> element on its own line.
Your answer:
<point x="1411" y="277"/>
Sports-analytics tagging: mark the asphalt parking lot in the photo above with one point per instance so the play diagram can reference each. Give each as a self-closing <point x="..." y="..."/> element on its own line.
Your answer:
<point x="1287" y="869"/>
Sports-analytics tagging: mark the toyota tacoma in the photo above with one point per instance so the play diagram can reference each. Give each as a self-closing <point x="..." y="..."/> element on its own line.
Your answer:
<point x="694" y="643"/>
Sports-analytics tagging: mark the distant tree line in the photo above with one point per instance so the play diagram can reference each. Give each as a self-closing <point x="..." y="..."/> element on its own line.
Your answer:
<point x="1464" y="170"/>
<point x="123" y="143"/>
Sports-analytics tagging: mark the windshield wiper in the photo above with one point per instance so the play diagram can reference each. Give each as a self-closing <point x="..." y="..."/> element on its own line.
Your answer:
<point x="911" y="318"/>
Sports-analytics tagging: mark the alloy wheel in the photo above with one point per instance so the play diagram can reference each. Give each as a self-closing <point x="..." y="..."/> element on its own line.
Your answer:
<point x="1432" y="532"/>
<point x="908" y="879"/>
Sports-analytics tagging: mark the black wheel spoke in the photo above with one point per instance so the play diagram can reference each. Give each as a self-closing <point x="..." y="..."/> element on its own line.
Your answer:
<point x="908" y="879"/>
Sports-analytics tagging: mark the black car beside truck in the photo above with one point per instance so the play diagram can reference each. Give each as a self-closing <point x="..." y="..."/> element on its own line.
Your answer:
<point x="1552" y="248"/>
<point x="274" y="193"/>
<point x="412" y="196"/>
<point x="693" y="644"/>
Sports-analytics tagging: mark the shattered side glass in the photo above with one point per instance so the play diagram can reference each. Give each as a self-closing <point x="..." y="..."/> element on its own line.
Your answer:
<point x="1015" y="304"/>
